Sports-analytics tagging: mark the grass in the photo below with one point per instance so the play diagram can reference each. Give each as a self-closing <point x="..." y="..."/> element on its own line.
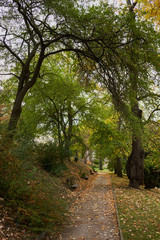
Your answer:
<point x="37" y="199"/>
<point x="105" y="170"/>
<point x="139" y="210"/>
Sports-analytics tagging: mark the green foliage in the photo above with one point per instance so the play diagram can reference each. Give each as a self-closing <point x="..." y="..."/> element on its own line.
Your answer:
<point x="50" y="156"/>
<point x="112" y="164"/>
<point x="125" y="52"/>
<point x="152" y="160"/>
<point x="96" y="161"/>
<point x="152" y="171"/>
<point x="82" y="173"/>
<point x="58" y="105"/>
<point x="23" y="148"/>
<point x="111" y="139"/>
<point x="33" y="195"/>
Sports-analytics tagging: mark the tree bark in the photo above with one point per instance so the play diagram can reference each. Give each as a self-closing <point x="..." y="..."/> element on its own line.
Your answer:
<point x="135" y="164"/>
<point x="86" y="156"/>
<point x="15" y="115"/>
<point x="100" y="164"/>
<point x="23" y="86"/>
<point x="16" y="112"/>
<point x="70" y="121"/>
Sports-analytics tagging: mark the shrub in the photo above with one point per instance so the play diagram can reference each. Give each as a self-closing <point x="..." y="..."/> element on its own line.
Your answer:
<point x="151" y="176"/>
<point x="82" y="173"/>
<point x="96" y="161"/>
<point x="23" y="149"/>
<point x="32" y="194"/>
<point x="50" y="158"/>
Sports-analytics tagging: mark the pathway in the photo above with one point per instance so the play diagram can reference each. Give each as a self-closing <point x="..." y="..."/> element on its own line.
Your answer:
<point x="93" y="215"/>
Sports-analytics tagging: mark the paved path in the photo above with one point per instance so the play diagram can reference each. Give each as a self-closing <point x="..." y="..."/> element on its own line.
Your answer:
<point x="93" y="215"/>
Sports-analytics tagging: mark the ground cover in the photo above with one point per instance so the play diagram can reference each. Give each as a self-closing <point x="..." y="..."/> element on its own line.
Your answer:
<point x="36" y="200"/>
<point x="139" y="210"/>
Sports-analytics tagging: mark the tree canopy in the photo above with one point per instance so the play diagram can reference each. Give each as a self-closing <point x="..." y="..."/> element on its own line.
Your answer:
<point x="150" y="9"/>
<point x="67" y="62"/>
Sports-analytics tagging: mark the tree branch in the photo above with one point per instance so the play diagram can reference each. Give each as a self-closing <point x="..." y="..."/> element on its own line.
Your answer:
<point x="151" y="114"/>
<point x="13" y="53"/>
<point x="31" y="22"/>
<point x="8" y="74"/>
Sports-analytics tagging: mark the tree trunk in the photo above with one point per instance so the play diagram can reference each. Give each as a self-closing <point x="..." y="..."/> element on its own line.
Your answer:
<point x="115" y="166"/>
<point x="15" y="115"/>
<point x="23" y="86"/>
<point x="77" y="154"/>
<point x="135" y="164"/>
<point x="16" y="112"/>
<point x="70" y="121"/>
<point x="100" y="164"/>
<point x="86" y="156"/>
<point x="119" y="167"/>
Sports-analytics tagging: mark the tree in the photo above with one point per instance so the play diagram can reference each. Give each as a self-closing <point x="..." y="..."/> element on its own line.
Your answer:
<point x="59" y="103"/>
<point x="150" y="9"/>
<point x="111" y="140"/>
<point x="135" y="164"/>
<point x="34" y="32"/>
<point x="38" y="29"/>
<point x="129" y="80"/>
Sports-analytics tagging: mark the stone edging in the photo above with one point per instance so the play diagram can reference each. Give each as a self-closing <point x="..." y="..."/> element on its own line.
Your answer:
<point x="119" y="226"/>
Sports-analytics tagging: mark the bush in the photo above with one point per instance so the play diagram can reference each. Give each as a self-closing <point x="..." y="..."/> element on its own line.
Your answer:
<point x="151" y="176"/>
<point x="23" y="149"/>
<point x="50" y="158"/>
<point x="32" y="194"/>
<point x="82" y="173"/>
<point x="96" y="161"/>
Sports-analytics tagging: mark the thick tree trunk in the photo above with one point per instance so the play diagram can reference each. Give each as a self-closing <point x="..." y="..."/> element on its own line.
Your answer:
<point x="135" y="164"/>
<point x="119" y="167"/>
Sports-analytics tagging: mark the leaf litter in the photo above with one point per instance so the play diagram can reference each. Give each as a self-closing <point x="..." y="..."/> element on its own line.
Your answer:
<point x="139" y="210"/>
<point x="93" y="214"/>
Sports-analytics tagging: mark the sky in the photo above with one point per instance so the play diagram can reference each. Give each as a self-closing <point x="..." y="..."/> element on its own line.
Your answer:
<point x="115" y="2"/>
